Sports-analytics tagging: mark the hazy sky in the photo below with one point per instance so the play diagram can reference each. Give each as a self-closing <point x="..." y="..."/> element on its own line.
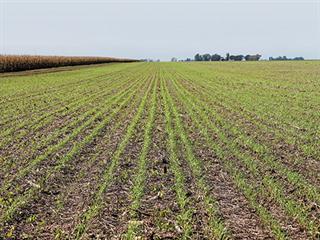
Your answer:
<point x="160" y="29"/>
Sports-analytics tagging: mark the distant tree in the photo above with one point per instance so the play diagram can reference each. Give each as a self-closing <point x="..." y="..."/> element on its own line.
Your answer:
<point x="283" y="58"/>
<point x="174" y="59"/>
<point x="227" y="57"/>
<point x="198" y="57"/>
<point x="216" y="57"/>
<point x="188" y="60"/>
<point x="206" y="57"/>
<point x="239" y="57"/>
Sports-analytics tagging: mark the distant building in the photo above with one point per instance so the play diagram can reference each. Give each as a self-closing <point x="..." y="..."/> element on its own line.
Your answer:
<point x="236" y="57"/>
<point x="252" y="57"/>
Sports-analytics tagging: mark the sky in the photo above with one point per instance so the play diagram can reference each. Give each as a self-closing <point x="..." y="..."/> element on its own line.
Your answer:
<point x="160" y="29"/>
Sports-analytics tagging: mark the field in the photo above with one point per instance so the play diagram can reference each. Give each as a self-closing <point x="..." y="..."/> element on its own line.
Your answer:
<point x="161" y="151"/>
<point x="14" y="63"/>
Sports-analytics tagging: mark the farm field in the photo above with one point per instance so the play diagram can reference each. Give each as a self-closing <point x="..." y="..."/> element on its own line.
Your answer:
<point x="14" y="63"/>
<point x="194" y="150"/>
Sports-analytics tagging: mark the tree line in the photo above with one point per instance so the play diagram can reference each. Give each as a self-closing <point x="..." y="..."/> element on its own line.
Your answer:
<point x="228" y="57"/>
<point x="216" y="57"/>
<point x="284" y="58"/>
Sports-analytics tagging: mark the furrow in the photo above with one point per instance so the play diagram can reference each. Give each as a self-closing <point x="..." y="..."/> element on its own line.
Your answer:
<point x="140" y="178"/>
<point x="269" y="161"/>
<point x="216" y="225"/>
<point x="60" y="144"/>
<point x="293" y="208"/>
<point x="73" y="184"/>
<point x="185" y="215"/>
<point x="74" y="122"/>
<point x="67" y="107"/>
<point x="23" y="199"/>
<point x="95" y="207"/>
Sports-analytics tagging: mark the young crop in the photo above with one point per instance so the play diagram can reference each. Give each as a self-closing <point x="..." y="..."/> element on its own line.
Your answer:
<point x="216" y="224"/>
<point x="140" y="178"/>
<point x="22" y="199"/>
<point x="108" y="173"/>
<point x="219" y="150"/>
